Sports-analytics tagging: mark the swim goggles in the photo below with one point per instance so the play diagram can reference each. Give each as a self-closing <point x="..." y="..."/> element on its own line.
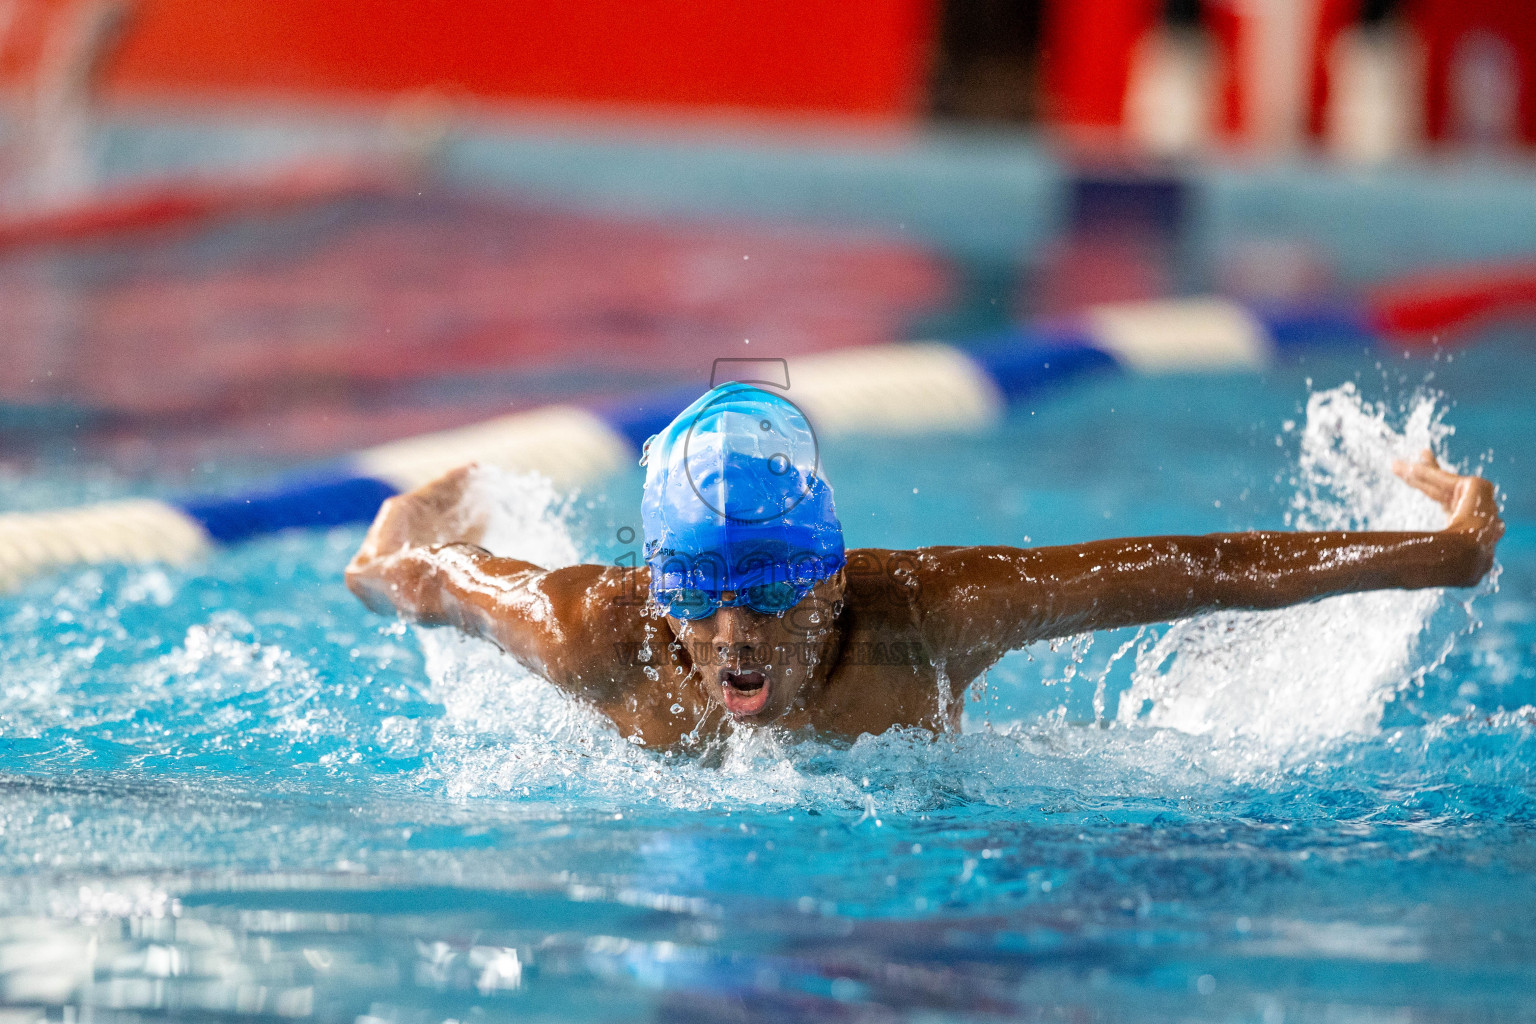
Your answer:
<point x="690" y="603"/>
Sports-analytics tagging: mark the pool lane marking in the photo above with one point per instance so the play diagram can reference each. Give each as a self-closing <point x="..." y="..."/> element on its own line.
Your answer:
<point x="908" y="388"/>
<point x="1181" y="335"/>
<point x="567" y="444"/>
<point x="134" y="530"/>
<point x="893" y="390"/>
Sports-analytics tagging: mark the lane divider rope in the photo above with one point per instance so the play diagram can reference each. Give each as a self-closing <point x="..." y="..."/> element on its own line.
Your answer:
<point x="899" y="389"/>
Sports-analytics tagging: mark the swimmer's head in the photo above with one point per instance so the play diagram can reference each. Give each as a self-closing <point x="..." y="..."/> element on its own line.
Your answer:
<point x="743" y="545"/>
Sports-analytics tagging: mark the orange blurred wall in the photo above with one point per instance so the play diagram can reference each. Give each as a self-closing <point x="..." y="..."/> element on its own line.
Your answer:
<point x="862" y="57"/>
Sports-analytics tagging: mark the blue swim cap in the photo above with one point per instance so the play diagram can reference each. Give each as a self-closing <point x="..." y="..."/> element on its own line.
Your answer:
<point x="734" y="497"/>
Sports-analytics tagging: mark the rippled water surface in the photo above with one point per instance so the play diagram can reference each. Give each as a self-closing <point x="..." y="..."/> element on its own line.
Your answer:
<point x="229" y="791"/>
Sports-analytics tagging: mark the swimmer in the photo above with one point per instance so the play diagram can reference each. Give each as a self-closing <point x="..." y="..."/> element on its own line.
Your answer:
<point x="750" y="612"/>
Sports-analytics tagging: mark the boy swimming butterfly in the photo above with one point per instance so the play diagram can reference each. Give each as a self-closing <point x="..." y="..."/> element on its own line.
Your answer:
<point x="749" y="611"/>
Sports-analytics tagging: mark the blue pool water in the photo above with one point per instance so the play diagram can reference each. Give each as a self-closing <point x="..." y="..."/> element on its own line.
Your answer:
<point x="229" y="792"/>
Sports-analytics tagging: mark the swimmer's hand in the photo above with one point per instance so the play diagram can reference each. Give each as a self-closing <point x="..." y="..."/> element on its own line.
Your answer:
<point x="394" y="569"/>
<point x="1469" y="501"/>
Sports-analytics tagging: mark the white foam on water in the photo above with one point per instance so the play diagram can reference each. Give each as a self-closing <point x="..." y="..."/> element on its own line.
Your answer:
<point x="523" y="517"/>
<point x="493" y="706"/>
<point x="1283" y="683"/>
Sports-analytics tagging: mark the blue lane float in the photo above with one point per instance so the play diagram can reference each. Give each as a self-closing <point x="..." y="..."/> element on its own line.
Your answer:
<point x="901" y="389"/>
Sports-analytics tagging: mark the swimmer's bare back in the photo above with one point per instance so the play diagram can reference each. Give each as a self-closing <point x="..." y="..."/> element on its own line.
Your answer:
<point x="867" y="650"/>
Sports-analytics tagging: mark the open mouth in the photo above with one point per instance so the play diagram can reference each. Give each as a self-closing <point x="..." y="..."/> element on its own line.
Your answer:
<point x="744" y="693"/>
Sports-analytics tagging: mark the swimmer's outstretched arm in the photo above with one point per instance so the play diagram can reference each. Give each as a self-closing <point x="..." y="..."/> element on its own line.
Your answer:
<point x="980" y="602"/>
<point x="422" y="560"/>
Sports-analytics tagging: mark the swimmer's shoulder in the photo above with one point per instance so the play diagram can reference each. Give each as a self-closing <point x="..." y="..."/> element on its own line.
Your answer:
<point x="596" y="601"/>
<point x="929" y="586"/>
<point x="888" y="586"/>
<point x="885" y="572"/>
<point x="595" y="638"/>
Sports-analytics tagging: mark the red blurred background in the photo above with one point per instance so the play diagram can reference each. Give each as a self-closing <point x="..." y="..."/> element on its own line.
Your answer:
<point x="1065" y="62"/>
<point x="856" y="56"/>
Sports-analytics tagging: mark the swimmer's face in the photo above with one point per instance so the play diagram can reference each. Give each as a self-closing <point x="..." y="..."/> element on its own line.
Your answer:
<point x="759" y="667"/>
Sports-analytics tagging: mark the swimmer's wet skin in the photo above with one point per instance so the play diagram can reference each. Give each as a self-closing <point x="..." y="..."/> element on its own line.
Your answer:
<point x="750" y="612"/>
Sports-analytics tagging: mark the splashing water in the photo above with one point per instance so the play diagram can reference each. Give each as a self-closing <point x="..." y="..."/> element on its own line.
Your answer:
<point x="1285" y="682"/>
<point x="1271" y="687"/>
<point x="490" y="702"/>
<point x="524" y="517"/>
